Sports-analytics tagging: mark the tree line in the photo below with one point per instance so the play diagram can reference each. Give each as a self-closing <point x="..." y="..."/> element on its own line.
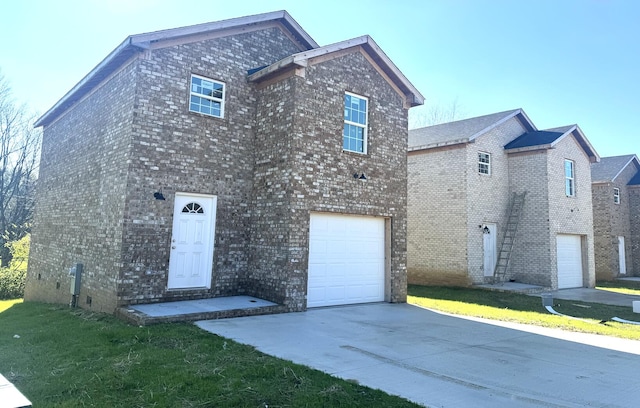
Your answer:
<point x="19" y="158"/>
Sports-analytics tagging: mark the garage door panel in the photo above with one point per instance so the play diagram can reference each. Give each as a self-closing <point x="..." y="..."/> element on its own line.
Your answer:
<point x="346" y="260"/>
<point x="569" y="261"/>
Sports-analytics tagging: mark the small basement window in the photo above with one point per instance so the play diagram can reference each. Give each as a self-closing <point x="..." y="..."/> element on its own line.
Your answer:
<point x="616" y="195"/>
<point x="206" y="96"/>
<point x="484" y="163"/>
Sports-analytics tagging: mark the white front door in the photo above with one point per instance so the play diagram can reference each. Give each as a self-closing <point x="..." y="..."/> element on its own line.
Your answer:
<point x="489" y="240"/>
<point x="622" y="256"/>
<point x="191" y="259"/>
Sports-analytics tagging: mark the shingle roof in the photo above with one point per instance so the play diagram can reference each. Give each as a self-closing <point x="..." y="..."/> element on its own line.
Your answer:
<point x="461" y="131"/>
<point x="610" y="167"/>
<point x="635" y="181"/>
<point x="535" y="138"/>
<point x="546" y="139"/>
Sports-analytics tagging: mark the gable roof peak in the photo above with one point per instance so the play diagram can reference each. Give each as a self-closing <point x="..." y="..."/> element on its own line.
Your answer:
<point x="135" y="44"/>
<point x="609" y="168"/>
<point x="548" y="138"/>
<point x="412" y="96"/>
<point x="463" y="131"/>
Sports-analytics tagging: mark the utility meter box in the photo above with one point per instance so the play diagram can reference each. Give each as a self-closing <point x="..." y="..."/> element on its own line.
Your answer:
<point x="75" y="273"/>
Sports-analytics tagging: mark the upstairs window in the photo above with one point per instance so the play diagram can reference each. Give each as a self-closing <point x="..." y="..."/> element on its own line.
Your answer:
<point x="207" y="96"/>
<point x="616" y="195"/>
<point x="484" y="163"/>
<point x="569" y="178"/>
<point x="354" y="134"/>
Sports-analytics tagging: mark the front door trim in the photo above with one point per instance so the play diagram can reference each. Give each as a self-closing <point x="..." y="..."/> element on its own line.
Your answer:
<point x="192" y="240"/>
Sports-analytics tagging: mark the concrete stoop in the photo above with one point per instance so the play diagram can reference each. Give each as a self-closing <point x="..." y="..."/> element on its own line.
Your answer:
<point x="193" y="310"/>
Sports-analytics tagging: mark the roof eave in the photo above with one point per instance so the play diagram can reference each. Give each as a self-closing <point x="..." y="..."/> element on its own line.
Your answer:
<point x="282" y="16"/>
<point x="121" y="53"/>
<point x="439" y="144"/>
<point x="529" y="148"/>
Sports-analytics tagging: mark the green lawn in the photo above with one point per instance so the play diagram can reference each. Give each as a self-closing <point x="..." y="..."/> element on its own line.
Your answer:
<point x="526" y="309"/>
<point x="626" y="287"/>
<point x="5" y="304"/>
<point x="73" y="358"/>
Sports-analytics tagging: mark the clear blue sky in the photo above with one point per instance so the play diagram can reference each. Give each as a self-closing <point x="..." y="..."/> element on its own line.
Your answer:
<point x="562" y="61"/>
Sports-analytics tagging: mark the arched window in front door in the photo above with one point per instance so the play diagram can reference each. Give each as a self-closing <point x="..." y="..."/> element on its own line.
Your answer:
<point x="193" y="208"/>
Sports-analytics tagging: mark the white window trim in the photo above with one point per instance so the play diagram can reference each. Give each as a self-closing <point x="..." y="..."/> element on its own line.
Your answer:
<point x="488" y="164"/>
<point x="572" y="179"/>
<point x="365" y="127"/>
<point x="211" y="98"/>
<point x="616" y="195"/>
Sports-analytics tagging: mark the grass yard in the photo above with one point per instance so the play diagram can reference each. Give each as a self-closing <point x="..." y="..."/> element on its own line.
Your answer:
<point x="526" y="309"/>
<point x="5" y="304"/>
<point x="74" y="358"/>
<point x="626" y="287"/>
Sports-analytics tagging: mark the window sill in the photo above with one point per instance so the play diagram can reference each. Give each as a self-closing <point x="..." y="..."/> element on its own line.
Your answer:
<point x="354" y="153"/>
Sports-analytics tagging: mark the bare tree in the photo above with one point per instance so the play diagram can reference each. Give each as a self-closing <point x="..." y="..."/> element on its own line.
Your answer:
<point x="19" y="148"/>
<point x="435" y="114"/>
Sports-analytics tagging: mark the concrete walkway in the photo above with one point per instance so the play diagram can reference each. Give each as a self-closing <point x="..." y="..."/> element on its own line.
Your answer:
<point x="445" y="361"/>
<point x="596" y="296"/>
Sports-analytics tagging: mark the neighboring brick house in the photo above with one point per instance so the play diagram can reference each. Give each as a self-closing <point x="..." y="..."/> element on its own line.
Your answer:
<point x="227" y="158"/>
<point x="461" y="179"/>
<point x="616" y="223"/>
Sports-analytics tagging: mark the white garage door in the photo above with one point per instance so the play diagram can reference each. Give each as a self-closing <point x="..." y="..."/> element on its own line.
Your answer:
<point x="346" y="260"/>
<point x="569" y="250"/>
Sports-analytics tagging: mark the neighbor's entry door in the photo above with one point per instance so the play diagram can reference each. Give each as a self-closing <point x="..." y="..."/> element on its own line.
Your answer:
<point x="622" y="258"/>
<point x="489" y="241"/>
<point x="191" y="259"/>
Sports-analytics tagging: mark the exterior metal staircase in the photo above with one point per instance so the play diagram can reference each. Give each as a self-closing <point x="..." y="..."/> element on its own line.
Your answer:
<point x="515" y="213"/>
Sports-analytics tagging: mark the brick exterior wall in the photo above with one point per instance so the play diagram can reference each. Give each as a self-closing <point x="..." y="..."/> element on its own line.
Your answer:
<point x="80" y="202"/>
<point x="610" y="221"/>
<point x="437" y="221"/>
<point x="448" y="201"/>
<point x="274" y="157"/>
<point x="301" y="142"/>
<point x="571" y="215"/>
<point x="488" y="197"/>
<point x="530" y="258"/>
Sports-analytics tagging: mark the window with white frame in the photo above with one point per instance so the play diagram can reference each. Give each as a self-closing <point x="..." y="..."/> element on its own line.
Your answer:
<point x="484" y="163"/>
<point x="354" y="134"/>
<point x="616" y="195"/>
<point x="569" y="178"/>
<point x="206" y="96"/>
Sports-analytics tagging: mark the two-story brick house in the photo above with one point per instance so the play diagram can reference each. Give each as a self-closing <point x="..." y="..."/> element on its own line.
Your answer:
<point x="462" y="179"/>
<point x="234" y="157"/>
<point x="616" y="220"/>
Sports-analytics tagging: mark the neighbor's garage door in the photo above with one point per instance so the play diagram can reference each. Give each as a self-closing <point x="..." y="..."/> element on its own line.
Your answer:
<point x="569" y="250"/>
<point x="346" y="260"/>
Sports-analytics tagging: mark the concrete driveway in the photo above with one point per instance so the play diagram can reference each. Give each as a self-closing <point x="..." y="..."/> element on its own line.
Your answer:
<point x="445" y="361"/>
